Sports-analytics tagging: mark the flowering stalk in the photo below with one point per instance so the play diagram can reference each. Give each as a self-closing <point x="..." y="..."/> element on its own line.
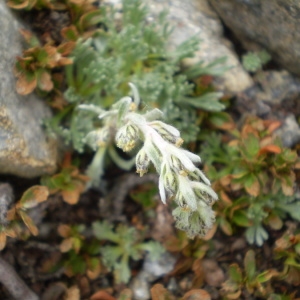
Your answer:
<point x="179" y="178"/>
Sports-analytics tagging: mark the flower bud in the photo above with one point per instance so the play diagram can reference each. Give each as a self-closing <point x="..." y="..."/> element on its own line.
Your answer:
<point x="142" y="162"/>
<point x="98" y="138"/>
<point x="126" y="137"/>
<point x="167" y="132"/>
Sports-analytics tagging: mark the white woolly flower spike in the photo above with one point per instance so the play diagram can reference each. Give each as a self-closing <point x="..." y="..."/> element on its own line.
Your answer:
<point x="179" y="178"/>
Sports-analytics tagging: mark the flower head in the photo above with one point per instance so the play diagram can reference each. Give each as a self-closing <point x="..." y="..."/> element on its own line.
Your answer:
<point x="127" y="137"/>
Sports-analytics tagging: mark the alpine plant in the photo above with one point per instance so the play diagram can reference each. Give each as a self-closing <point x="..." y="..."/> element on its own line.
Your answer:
<point x="179" y="178"/>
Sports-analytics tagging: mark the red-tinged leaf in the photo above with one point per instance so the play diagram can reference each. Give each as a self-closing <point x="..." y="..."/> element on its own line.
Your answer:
<point x="63" y="61"/>
<point x="33" y="196"/>
<point x="70" y="33"/>
<point x="90" y="18"/>
<point x="25" y="86"/>
<point x="126" y="294"/>
<point x="66" y="48"/>
<point x="269" y="149"/>
<point x="94" y="271"/>
<point x="235" y="273"/>
<point x="225" y="198"/>
<point x="267" y="275"/>
<point x="64" y="230"/>
<point x="226" y="227"/>
<point x="222" y="121"/>
<point x="2" y="240"/>
<point x="45" y="82"/>
<point x="274" y="222"/>
<point x="12" y="231"/>
<point x="287" y="189"/>
<point x="211" y="232"/>
<point x="66" y="245"/>
<point x="273" y="126"/>
<point x="250" y="264"/>
<point x="198" y="294"/>
<point x="72" y="196"/>
<point x="254" y="189"/>
<point x="73" y="293"/>
<point x="30" y="39"/>
<point x="29" y="223"/>
<point x="102" y="295"/>
<point x="15" y="5"/>
<point x="11" y="214"/>
<point x="234" y="296"/>
<point x="158" y="292"/>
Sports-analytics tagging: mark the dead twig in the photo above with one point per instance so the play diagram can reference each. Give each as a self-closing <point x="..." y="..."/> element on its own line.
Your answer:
<point x="14" y="284"/>
<point x="112" y="205"/>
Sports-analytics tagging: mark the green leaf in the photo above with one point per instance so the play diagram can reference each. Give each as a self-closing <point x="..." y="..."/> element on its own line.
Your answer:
<point x="103" y="231"/>
<point x="250" y="264"/>
<point x="251" y="146"/>
<point x="235" y="273"/>
<point x="155" y="249"/>
<point x="34" y="196"/>
<point x="241" y="219"/>
<point x="208" y="102"/>
<point x="256" y="234"/>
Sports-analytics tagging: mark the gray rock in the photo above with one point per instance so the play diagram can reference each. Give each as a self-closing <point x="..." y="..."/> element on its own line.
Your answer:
<point x="196" y="18"/>
<point x="274" y="95"/>
<point x="273" y="25"/>
<point x="25" y="149"/>
<point x="152" y="270"/>
<point x="289" y="132"/>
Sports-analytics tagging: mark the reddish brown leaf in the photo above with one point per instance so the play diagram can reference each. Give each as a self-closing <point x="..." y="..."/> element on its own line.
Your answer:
<point x="21" y="5"/>
<point x="66" y="245"/>
<point x="269" y="149"/>
<point x="126" y="294"/>
<point x="72" y="197"/>
<point x="273" y="126"/>
<point x="45" y="82"/>
<point x="158" y="292"/>
<point x="102" y="295"/>
<point x="70" y="33"/>
<point x="33" y="196"/>
<point x="25" y="87"/>
<point x="64" y="230"/>
<point x="72" y="293"/>
<point x="198" y="294"/>
<point x="29" y="223"/>
<point x="275" y="222"/>
<point x="254" y="189"/>
<point x="66" y="48"/>
<point x="2" y="240"/>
